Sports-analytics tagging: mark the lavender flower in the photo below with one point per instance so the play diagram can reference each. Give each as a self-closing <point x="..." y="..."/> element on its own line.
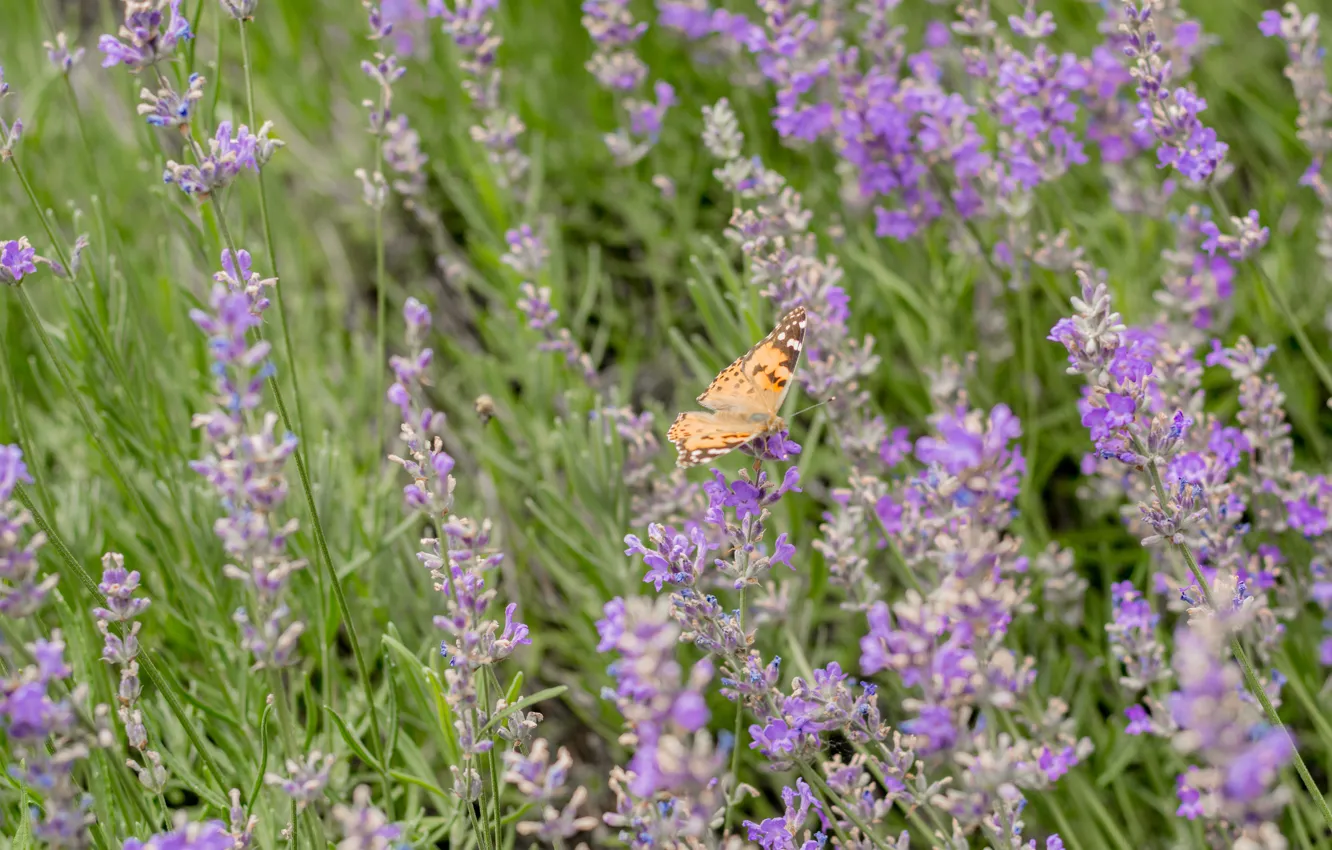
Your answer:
<point x="47" y="741"/>
<point x="167" y="108"/>
<point x="469" y="26"/>
<point x="10" y="133"/>
<point x="399" y="144"/>
<point x="207" y="835"/>
<point x="618" y="69"/>
<point x="245" y="466"/>
<point x="1185" y="144"/>
<point x="22" y="590"/>
<point x="60" y="55"/>
<point x="1304" y="52"/>
<point x="148" y="35"/>
<point x="782" y="833"/>
<point x="17" y="259"/>
<point x="542" y="781"/>
<point x="458" y="564"/>
<point x="364" y="827"/>
<point x="226" y="158"/>
<point x="665" y="721"/>
<point x="1248" y="239"/>
<point x="527" y="255"/>
<point x="241" y="10"/>
<point x="305" y="780"/>
<point x="1241" y="756"/>
<point x="118" y="586"/>
<point x="1133" y="638"/>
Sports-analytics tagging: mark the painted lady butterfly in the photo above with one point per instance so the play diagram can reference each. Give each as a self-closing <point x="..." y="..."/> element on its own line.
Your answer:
<point x="744" y="398"/>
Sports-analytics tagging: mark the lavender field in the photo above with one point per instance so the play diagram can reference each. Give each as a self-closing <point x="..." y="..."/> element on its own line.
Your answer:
<point x="341" y="504"/>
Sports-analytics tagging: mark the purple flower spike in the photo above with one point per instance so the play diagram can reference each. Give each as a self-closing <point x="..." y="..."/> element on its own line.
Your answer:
<point x="245" y="463"/>
<point x="778" y="446"/>
<point x="151" y="33"/>
<point x="17" y="259"/>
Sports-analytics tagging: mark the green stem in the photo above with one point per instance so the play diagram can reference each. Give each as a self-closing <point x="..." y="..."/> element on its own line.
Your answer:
<point x="1296" y="327"/>
<point x="739" y="729"/>
<point x="1237" y="649"/>
<point x="812" y="776"/>
<point x="270" y="247"/>
<point x="94" y="433"/>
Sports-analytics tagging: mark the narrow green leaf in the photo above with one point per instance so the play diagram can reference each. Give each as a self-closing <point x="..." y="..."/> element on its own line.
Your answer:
<point x="349" y="735"/>
<point x="548" y="693"/>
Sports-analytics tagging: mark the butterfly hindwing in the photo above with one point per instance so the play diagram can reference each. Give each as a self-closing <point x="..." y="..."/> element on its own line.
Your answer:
<point x="759" y="380"/>
<point x="700" y="437"/>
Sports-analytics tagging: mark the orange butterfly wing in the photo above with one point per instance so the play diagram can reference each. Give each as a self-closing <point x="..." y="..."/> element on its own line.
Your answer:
<point x="756" y="383"/>
<point x="759" y="379"/>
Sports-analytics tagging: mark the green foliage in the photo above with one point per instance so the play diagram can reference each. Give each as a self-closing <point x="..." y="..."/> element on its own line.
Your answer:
<point x="655" y="294"/>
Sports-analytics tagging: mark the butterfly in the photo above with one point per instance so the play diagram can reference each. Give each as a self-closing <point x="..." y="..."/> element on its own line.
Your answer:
<point x="744" y="398"/>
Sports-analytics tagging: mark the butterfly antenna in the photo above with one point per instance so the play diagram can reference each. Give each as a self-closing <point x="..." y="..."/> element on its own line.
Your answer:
<point x="812" y="406"/>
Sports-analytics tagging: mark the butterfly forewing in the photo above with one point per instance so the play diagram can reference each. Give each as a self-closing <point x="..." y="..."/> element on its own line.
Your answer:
<point x="759" y="379"/>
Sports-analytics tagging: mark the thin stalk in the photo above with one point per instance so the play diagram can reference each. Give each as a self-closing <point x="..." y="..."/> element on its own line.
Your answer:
<point x="99" y="200"/>
<point x="739" y="729"/>
<point x="1237" y="649"/>
<point x="94" y="433"/>
<point x="326" y="560"/>
<point x="269" y="246"/>
<point x="1270" y="287"/>
<point x="108" y="350"/>
<point x="381" y="317"/>
<point x="812" y="774"/>
<point x="326" y="682"/>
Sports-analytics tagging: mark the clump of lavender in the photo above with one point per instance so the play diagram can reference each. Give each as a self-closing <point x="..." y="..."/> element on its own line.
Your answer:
<point x="527" y="255"/>
<point x="118" y="586"/>
<point x="23" y="590"/>
<point x="1184" y="142"/>
<point x="152" y="31"/>
<point x="468" y="23"/>
<point x="949" y="525"/>
<point x="46" y="736"/>
<point x="668" y="791"/>
<point x="399" y="145"/>
<point x="226" y="157"/>
<point x="1236" y="786"/>
<point x="365" y="827"/>
<point x="619" y="70"/>
<point x="791" y="728"/>
<point x="59" y="54"/>
<point x="245" y="464"/>
<point x="458" y="564"/>
<point x="1308" y="79"/>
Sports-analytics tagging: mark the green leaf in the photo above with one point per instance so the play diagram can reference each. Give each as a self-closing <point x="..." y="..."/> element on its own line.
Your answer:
<point x="263" y="758"/>
<point x="23" y="835"/>
<point x="499" y="716"/>
<point x="349" y="735"/>
<point x="515" y="688"/>
<point x="421" y="783"/>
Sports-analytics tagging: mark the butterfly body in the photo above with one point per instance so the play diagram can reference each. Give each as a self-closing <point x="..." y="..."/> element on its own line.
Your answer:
<point x="744" y="399"/>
